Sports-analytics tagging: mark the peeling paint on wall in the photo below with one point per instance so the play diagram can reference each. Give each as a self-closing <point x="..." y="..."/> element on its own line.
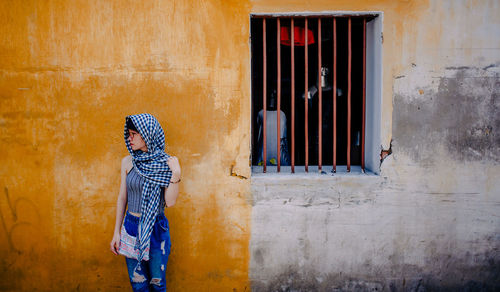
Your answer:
<point x="460" y="113"/>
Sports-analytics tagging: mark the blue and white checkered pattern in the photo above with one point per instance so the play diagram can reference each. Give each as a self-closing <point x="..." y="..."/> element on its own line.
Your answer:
<point x="152" y="165"/>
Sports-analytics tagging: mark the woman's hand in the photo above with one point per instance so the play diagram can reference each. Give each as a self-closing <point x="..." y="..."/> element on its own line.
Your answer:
<point x="172" y="190"/>
<point x="115" y="243"/>
<point x="175" y="167"/>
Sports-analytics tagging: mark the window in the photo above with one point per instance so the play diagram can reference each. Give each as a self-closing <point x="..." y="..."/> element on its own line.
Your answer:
<point x="315" y="81"/>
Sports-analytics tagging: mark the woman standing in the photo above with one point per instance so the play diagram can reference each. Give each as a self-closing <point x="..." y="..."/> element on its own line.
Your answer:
<point x="149" y="182"/>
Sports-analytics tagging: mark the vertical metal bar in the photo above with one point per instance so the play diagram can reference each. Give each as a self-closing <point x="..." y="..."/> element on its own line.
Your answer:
<point x="278" y="89"/>
<point x="306" y="97"/>
<point x="320" y="99"/>
<point x="349" y="96"/>
<point x="264" y="93"/>
<point x="293" y="93"/>
<point x="334" y="94"/>
<point x="364" y="98"/>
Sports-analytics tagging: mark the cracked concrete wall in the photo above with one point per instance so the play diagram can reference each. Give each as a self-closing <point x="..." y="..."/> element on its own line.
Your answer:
<point x="430" y="220"/>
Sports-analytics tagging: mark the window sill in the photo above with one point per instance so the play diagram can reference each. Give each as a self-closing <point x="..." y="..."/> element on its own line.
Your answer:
<point x="326" y="172"/>
<point x="312" y="189"/>
<point x="312" y="178"/>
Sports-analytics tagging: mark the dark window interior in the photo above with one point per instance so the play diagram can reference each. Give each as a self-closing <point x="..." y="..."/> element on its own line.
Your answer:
<point x="327" y="104"/>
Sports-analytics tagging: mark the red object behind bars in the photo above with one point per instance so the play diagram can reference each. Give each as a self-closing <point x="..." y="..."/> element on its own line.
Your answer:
<point x="299" y="36"/>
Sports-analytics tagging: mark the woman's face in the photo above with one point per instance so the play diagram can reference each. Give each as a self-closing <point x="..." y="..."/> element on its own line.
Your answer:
<point x="136" y="141"/>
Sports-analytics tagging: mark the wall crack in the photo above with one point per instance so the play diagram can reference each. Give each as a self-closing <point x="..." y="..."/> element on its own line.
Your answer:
<point x="384" y="153"/>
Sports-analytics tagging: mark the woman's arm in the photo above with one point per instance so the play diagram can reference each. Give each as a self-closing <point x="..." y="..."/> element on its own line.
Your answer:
<point x="120" y="205"/>
<point x="172" y="191"/>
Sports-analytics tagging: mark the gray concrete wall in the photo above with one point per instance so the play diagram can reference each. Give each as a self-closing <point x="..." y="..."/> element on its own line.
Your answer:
<point x="431" y="219"/>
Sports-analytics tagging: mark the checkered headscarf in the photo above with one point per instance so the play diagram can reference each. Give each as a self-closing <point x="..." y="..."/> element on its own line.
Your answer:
<point x="151" y="165"/>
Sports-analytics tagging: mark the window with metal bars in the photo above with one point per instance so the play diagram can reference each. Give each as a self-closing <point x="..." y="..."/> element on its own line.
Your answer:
<point x="309" y="92"/>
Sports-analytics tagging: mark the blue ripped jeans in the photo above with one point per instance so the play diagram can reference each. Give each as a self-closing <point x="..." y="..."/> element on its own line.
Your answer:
<point x="151" y="276"/>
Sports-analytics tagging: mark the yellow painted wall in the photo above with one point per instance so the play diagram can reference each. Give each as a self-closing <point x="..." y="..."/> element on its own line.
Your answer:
<point x="70" y="71"/>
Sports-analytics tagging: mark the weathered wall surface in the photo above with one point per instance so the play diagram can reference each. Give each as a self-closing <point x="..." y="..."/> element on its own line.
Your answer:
<point x="430" y="220"/>
<point x="70" y="71"/>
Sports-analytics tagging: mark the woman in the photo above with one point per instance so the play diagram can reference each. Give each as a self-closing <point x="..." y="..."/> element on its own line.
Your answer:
<point x="149" y="182"/>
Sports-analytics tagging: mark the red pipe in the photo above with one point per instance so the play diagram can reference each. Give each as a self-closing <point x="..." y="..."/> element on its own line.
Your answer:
<point x="278" y="130"/>
<point x="293" y="94"/>
<point x="306" y="100"/>
<point x="334" y="94"/>
<point x="320" y="99"/>
<point x="364" y="98"/>
<point x="349" y="98"/>
<point x="264" y="93"/>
